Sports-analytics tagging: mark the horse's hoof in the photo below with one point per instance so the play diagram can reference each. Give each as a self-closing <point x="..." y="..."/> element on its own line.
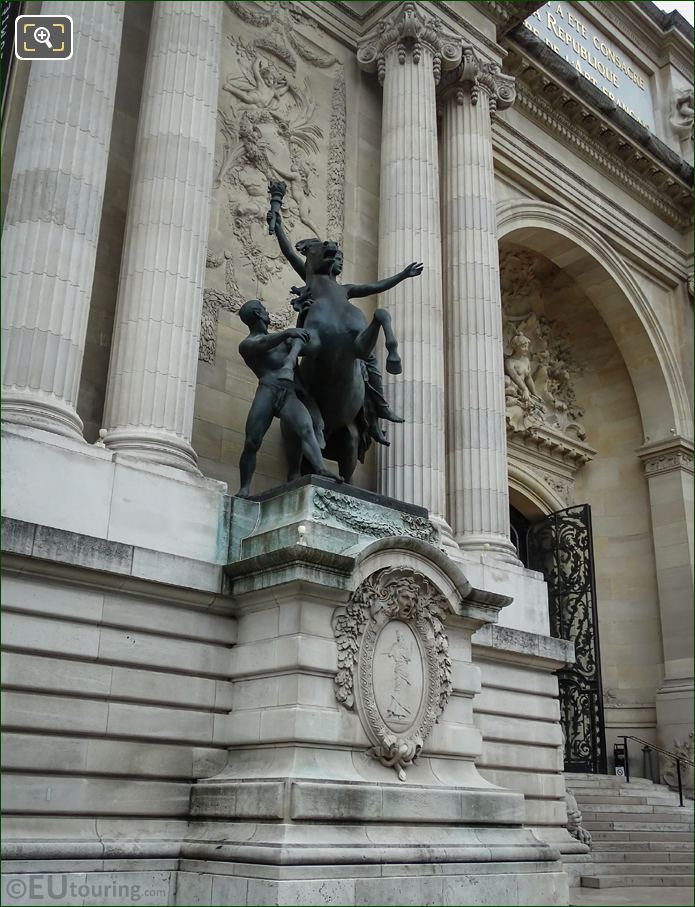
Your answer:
<point x="393" y="365"/>
<point x="388" y="414"/>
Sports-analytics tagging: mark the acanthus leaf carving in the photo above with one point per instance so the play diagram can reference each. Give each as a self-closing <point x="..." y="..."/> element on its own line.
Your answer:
<point x="407" y="30"/>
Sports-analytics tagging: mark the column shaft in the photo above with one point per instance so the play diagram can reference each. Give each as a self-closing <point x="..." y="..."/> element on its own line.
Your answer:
<point x="412" y="468"/>
<point x="52" y="220"/>
<point x="152" y="374"/>
<point x="476" y="433"/>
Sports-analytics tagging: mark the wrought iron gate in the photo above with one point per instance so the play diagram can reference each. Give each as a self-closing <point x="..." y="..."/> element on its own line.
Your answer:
<point x="561" y="547"/>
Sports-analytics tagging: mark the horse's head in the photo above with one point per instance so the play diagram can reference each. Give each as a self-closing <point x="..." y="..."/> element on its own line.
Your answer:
<point x="321" y="257"/>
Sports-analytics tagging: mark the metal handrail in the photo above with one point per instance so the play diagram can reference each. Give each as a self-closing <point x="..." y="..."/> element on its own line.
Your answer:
<point x="678" y="760"/>
<point x="653" y="746"/>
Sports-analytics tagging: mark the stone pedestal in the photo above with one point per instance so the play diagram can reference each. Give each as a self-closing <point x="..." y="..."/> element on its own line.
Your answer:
<point x="351" y="775"/>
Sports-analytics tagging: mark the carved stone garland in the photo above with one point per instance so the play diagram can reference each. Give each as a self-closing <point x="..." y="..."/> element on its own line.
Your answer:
<point x="394" y="625"/>
<point x="362" y="518"/>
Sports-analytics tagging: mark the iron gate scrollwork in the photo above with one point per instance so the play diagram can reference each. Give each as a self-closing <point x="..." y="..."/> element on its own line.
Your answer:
<point x="561" y="547"/>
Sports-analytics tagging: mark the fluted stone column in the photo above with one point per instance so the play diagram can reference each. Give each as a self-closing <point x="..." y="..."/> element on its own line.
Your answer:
<point x="476" y="433"/>
<point x="52" y="221"/>
<point x="152" y="374"/>
<point x="408" y="50"/>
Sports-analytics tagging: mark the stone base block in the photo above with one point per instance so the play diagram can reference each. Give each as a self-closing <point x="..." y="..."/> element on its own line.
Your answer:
<point x="397" y="884"/>
<point x="39" y="882"/>
<point x="207" y="883"/>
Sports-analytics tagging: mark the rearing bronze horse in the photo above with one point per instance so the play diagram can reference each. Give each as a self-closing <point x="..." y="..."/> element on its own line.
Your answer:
<point x="332" y="366"/>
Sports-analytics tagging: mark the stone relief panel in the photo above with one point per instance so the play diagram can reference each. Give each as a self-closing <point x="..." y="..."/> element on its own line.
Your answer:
<point x="393" y="664"/>
<point x="281" y="115"/>
<point x="539" y="367"/>
<point x="362" y="517"/>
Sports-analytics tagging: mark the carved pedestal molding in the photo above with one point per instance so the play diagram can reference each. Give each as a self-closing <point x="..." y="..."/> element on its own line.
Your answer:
<point x="660" y="457"/>
<point x="52" y="221"/>
<point x="152" y="374"/>
<point x="408" y="49"/>
<point x="476" y="436"/>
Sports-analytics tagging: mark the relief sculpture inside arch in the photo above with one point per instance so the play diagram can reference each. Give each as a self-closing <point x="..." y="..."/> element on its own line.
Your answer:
<point x="546" y="434"/>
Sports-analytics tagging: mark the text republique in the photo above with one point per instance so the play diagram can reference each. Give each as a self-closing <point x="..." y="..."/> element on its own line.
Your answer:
<point x="592" y="54"/>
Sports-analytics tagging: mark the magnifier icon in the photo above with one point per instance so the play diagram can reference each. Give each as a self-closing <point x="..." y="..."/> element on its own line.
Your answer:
<point x="43" y="36"/>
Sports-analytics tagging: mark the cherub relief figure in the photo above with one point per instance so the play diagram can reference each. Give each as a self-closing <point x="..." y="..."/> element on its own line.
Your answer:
<point x="517" y="366"/>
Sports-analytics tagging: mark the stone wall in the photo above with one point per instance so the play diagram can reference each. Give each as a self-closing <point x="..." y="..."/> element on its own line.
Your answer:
<point x="113" y="690"/>
<point x="518" y="714"/>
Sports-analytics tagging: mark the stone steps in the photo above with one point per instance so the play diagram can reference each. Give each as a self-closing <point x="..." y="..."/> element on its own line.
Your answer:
<point x="630" y="881"/>
<point x="641" y="836"/>
<point x="638" y="824"/>
<point x="640" y="809"/>
<point x="663" y="868"/>
<point x="644" y="856"/>
<point x="660" y="846"/>
<point x="597" y="782"/>
<point x="637" y="797"/>
<point x="631" y="835"/>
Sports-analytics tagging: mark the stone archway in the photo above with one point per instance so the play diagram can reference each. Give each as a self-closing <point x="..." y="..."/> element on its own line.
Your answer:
<point x="639" y="330"/>
<point x="585" y="256"/>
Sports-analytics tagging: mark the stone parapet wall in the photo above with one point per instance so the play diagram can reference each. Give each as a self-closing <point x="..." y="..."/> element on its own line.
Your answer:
<point x="113" y="690"/>
<point x="518" y="714"/>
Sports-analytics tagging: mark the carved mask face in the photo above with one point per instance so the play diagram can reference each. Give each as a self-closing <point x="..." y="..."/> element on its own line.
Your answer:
<point x="407" y="601"/>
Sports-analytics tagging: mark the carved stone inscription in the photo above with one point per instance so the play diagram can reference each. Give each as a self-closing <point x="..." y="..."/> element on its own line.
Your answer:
<point x="281" y="116"/>
<point x="393" y="664"/>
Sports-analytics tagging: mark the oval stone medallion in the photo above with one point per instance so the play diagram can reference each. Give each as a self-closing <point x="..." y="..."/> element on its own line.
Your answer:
<point x="399" y="676"/>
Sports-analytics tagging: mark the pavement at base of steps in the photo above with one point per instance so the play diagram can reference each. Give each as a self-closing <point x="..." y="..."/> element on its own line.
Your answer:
<point x="632" y="897"/>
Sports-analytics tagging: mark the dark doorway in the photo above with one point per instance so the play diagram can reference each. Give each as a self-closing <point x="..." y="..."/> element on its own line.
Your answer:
<point x="561" y="547"/>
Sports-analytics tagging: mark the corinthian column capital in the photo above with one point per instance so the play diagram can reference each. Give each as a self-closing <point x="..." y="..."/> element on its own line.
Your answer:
<point x="408" y="31"/>
<point x="472" y="77"/>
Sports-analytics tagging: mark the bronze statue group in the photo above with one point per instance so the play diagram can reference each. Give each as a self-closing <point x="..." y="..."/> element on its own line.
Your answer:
<point x="321" y="379"/>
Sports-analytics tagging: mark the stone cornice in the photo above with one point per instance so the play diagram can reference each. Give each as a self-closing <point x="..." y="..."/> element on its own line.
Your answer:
<point x="657" y="33"/>
<point x="538" y="63"/>
<point x="556" y="445"/>
<point x="526" y="163"/>
<point x="671" y="454"/>
<point x="506" y="13"/>
<point x="551" y="92"/>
